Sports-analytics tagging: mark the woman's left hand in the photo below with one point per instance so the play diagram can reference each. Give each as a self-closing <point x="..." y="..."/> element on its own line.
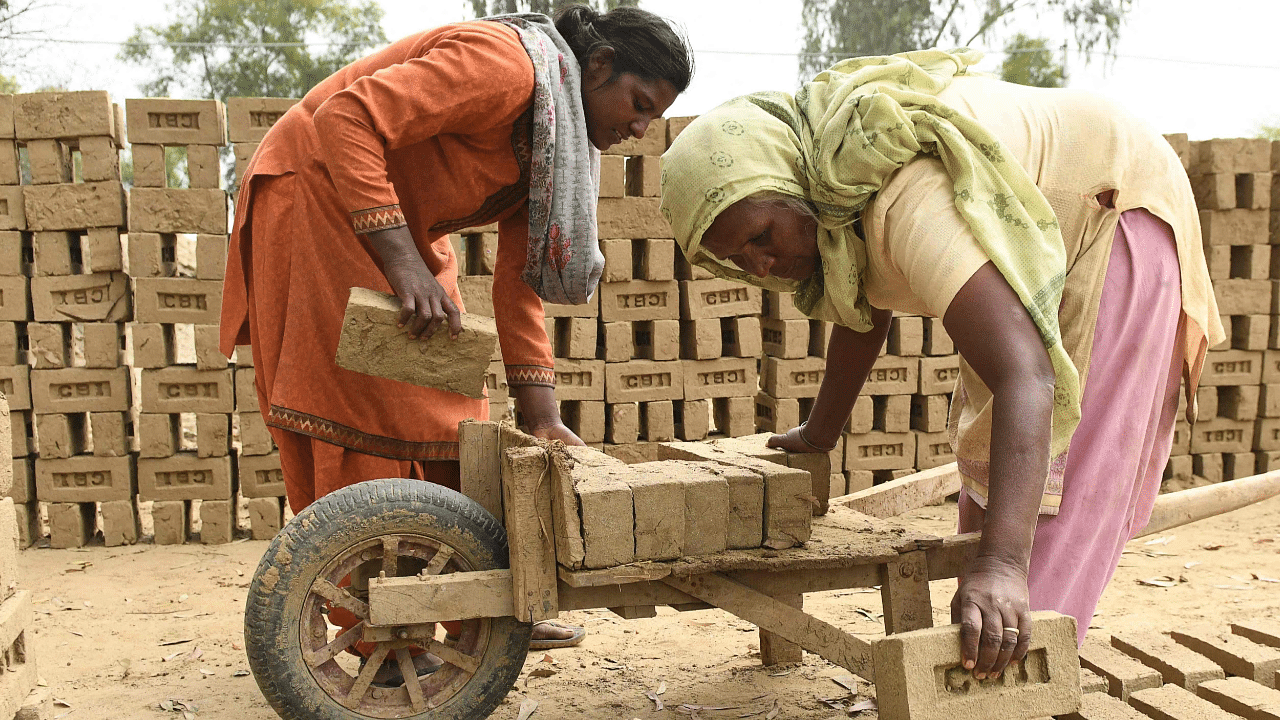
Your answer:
<point x="556" y="431"/>
<point x="993" y="608"/>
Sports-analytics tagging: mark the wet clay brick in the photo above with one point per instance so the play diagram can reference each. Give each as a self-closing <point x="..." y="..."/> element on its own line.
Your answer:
<point x="120" y="524"/>
<point x="933" y="450"/>
<point x="693" y="419"/>
<point x="1233" y="367"/>
<point x="919" y="676"/>
<point x="718" y="298"/>
<point x="99" y="159"/>
<point x="101" y="297"/>
<point x="608" y="518"/>
<point x="184" y="477"/>
<point x="1124" y="675"/>
<point x="622" y="426"/>
<point x="1243" y="297"/>
<point x="644" y="176"/>
<point x="632" y="217"/>
<point x="657" y="421"/>
<point x="644" y="381"/>
<point x="1176" y="664"/>
<point x="85" y="479"/>
<point x="181" y="389"/>
<point x="255" y="438"/>
<point x="217" y="521"/>
<point x="880" y="451"/>
<point x="1101" y="706"/>
<point x="658" y="498"/>
<point x="1230" y="155"/>
<point x="213" y="434"/>
<point x="70" y="524"/>
<point x="706" y="516"/>
<point x="170" y="521"/>
<point x="1174" y="703"/>
<point x="1243" y="697"/>
<point x="1236" y="654"/>
<point x="77" y="390"/>
<point x="776" y="415"/>
<point x="1092" y="682"/>
<point x="265" y="518"/>
<point x="893" y="376"/>
<point x="172" y="210"/>
<point x="163" y="121"/>
<point x="639" y="300"/>
<point x="725" y="377"/>
<point x="1263" y="632"/>
<point x="102" y="344"/>
<point x="785" y="338"/>
<point x="75" y="206"/>
<point x="211" y="257"/>
<point x="249" y="118"/>
<point x="1222" y="435"/>
<point x="580" y="379"/>
<point x="62" y="115"/>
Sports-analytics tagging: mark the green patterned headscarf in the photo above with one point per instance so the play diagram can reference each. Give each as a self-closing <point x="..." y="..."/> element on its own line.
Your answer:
<point x="835" y="143"/>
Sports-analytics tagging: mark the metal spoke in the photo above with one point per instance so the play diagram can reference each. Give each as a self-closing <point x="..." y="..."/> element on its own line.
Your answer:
<point x="454" y="657"/>
<point x="390" y="555"/>
<point x="439" y="560"/>
<point x="341" y="598"/>
<point x="370" y="669"/>
<point x="344" y="640"/>
<point x="412" y="682"/>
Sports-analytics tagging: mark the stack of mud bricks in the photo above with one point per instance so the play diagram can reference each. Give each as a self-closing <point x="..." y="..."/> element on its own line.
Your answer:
<point x="17" y="667"/>
<point x="1238" y="428"/>
<point x="477" y="252"/>
<point x="180" y="300"/>
<point x="79" y="395"/>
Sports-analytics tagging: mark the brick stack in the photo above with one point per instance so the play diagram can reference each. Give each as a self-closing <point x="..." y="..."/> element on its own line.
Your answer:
<point x="17" y="666"/>
<point x="172" y="472"/>
<point x="939" y="368"/>
<point x="80" y="389"/>
<point x="477" y="252"/>
<point x="248" y="120"/>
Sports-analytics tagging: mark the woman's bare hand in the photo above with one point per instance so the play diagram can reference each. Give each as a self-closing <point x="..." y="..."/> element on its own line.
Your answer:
<point x="793" y="441"/>
<point x="426" y="306"/>
<point x="993" y="609"/>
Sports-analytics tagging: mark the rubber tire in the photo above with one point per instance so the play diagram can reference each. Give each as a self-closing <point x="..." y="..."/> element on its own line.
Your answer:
<point x="323" y="531"/>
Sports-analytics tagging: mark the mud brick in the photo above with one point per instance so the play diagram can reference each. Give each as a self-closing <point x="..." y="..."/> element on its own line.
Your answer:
<point x="50" y="162"/>
<point x="217" y="521"/>
<point x="244" y="153"/>
<point x="1243" y="297"/>
<point x="10" y="171"/>
<point x="644" y="176"/>
<point x="654" y="259"/>
<point x="613" y="179"/>
<point x="477" y="295"/>
<point x="1236" y="367"/>
<point x="1208" y="466"/>
<point x="52" y="251"/>
<point x="102" y="344"/>
<point x="481" y="252"/>
<point x="1101" y="706"/>
<point x="61" y="115"/>
<point x="657" y="339"/>
<point x="1234" y="227"/>
<point x="260" y="476"/>
<point x="203" y="168"/>
<point x="110" y="432"/>
<point x="1174" y="703"/>
<point x="880" y="451"/>
<point x="1236" y="654"/>
<point x="718" y="298"/>
<point x="894" y="376"/>
<point x="585" y="418"/>
<point x="799" y="378"/>
<point x="70" y="524"/>
<point x="706" y="517"/>
<point x="644" y="381"/>
<point x="12" y="208"/>
<point x="208" y="354"/>
<point x="1263" y="632"/>
<point x="632" y="217"/>
<point x="657" y="421"/>
<point x="676" y="125"/>
<point x="1092" y="682"/>
<point x="152" y="345"/>
<point x="576" y="337"/>
<point x="9" y="548"/>
<point x="1182" y="146"/>
<point x="76" y="390"/>
<point x="157" y="435"/>
<point x="734" y="416"/>
<point x="623" y="423"/>
<point x="15" y="301"/>
<point x="1218" y="258"/>
<point x="776" y="415"/>
<point x="211" y="257"/>
<point x="1238" y="402"/>
<point x="617" y="260"/>
<point x="1176" y="664"/>
<point x="1237" y="465"/>
<point x="692" y="419"/>
<point x="101" y="250"/>
<point x="658" y="496"/>
<point x="700" y="339"/>
<point x="654" y="141"/>
<point x="1124" y="675"/>
<point x="61" y="436"/>
<point x="6" y="116"/>
<point x="184" y="477"/>
<point x="929" y="413"/>
<point x="1046" y="683"/>
<point x="99" y="159"/>
<point x="686" y="271"/>
<point x="639" y="300"/>
<point x="151" y="255"/>
<point x="213" y="434"/>
<point x="185" y="389"/>
<point x="150" y="166"/>
<point x="1242" y="697"/>
<point x="1222" y="435"/>
<point x="892" y="413"/>
<point x="21" y="434"/>
<point x="120" y="524"/>
<point x="1179" y="466"/>
<point x="50" y="344"/>
<point x="170" y="520"/>
<point x="608" y="517"/>
<point x="1215" y="191"/>
<point x="21" y="479"/>
<point x="779" y="306"/>
<point x="249" y="118"/>
<point x="85" y="478"/>
<point x="1231" y="155"/>
<point x="495" y="381"/>
<point x="741" y="336"/>
<point x="580" y="379"/>
<point x="1253" y="190"/>
<point x="12" y="351"/>
<point x="1250" y="332"/>
<point x="74" y="206"/>
<point x="163" y="121"/>
<point x="726" y="377"/>
<point x="255" y="439"/>
<point x="15" y="383"/>
<point x="906" y="336"/>
<point x="933" y="450"/>
<point x="172" y="210"/>
<point x="101" y="297"/>
<point x="15" y="248"/>
<point x="937" y="374"/>
<point x="785" y="338"/>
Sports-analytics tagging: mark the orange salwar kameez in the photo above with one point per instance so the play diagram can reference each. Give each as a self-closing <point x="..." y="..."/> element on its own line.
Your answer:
<point x="432" y="133"/>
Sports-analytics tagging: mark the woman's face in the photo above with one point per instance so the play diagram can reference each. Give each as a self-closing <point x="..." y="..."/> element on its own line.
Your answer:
<point x="622" y="108"/>
<point x="765" y="239"/>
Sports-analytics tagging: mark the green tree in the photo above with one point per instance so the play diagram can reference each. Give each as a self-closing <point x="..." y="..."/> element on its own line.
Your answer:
<point x="547" y="7"/>
<point x="1029" y="61"/>
<point x="1268" y="131"/>
<point x="247" y="48"/>
<point x="835" y="29"/>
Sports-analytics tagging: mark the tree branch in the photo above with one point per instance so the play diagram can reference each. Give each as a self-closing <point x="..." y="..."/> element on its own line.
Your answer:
<point x="937" y="38"/>
<point x="991" y="19"/>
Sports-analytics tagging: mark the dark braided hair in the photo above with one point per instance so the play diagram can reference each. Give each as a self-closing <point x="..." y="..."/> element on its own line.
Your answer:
<point x="643" y="43"/>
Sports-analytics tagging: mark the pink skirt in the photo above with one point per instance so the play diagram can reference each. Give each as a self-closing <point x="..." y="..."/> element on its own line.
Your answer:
<point x="1128" y="408"/>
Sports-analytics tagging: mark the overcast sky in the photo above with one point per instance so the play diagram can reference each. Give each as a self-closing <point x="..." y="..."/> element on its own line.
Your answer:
<point x="1206" y="69"/>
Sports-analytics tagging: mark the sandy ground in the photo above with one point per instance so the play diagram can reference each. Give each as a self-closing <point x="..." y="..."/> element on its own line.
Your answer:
<point x="118" y="631"/>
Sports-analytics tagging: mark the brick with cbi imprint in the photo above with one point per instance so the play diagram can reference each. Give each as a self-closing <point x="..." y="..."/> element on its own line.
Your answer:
<point x="164" y="121"/>
<point x="644" y="381"/>
<point x="785" y="338"/>
<point x="12" y="208"/>
<point x="919" y="675"/>
<point x="101" y="297"/>
<point x="1233" y="367"/>
<point x="85" y="479"/>
<point x="579" y="379"/>
<point x="718" y="298"/>
<point x="260" y="476"/>
<point x="726" y="377"/>
<point x="77" y="390"/>
<point x="1222" y="435"/>
<point x="174" y="210"/>
<point x="879" y="451"/>
<point x="938" y="374"/>
<point x="74" y="206"/>
<point x="639" y="300"/>
<point x="632" y="217"/>
<point x="184" y="477"/>
<point x="49" y="115"/>
<point x="933" y="450"/>
<point x="799" y="378"/>
<point x="15" y="299"/>
<point x="893" y="376"/>
<point x="249" y="118"/>
<point x="181" y="389"/>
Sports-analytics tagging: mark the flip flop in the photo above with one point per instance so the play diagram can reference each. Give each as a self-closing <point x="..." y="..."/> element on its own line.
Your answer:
<point x="578" y="634"/>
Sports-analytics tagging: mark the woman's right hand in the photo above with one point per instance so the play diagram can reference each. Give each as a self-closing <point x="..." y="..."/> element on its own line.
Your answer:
<point x="425" y="303"/>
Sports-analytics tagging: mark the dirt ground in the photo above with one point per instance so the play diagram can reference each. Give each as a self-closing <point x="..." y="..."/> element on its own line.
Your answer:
<point x="119" y="631"/>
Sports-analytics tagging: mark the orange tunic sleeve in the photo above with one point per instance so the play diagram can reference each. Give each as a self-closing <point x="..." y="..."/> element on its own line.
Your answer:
<point x="517" y="309"/>
<point x="470" y="80"/>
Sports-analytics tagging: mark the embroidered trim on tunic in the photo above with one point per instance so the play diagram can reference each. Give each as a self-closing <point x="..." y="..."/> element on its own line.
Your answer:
<point x="352" y="439"/>
<point x="509" y="196"/>
<point x="519" y="375"/>
<point x="379" y="218"/>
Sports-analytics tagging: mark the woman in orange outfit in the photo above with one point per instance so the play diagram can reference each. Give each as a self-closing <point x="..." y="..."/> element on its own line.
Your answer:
<point x="361" y="182"/>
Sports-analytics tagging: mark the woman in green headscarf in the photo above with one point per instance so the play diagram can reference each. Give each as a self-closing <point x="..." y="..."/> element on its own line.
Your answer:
<point x="1054" y="235"/>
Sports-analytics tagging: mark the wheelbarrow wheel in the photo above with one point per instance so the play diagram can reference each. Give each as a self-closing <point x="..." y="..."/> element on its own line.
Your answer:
<point x="306" y="611"/>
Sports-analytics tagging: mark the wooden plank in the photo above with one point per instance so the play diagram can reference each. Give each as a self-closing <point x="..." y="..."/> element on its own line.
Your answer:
<point x="906" y="493"/>
<point x="635" y="612"/>
<point x="439" y="598"/>
<point x="775" y="649"/>
<point x="621" y="575"/>
<point x="565" y="513"/>
<point x="1186" y="506"/>
<point x="904" y="592"/>
<point x="609" y="596"/>
<point x="479" y="464"/>
<point x="949" y="558"/>
<point x="810" y="633"/>
<point x="526" y="500"/>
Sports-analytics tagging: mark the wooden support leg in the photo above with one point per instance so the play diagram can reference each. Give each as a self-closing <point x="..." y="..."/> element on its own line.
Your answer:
<point x="904" y="591"/>
<point x="775" y="650"/>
